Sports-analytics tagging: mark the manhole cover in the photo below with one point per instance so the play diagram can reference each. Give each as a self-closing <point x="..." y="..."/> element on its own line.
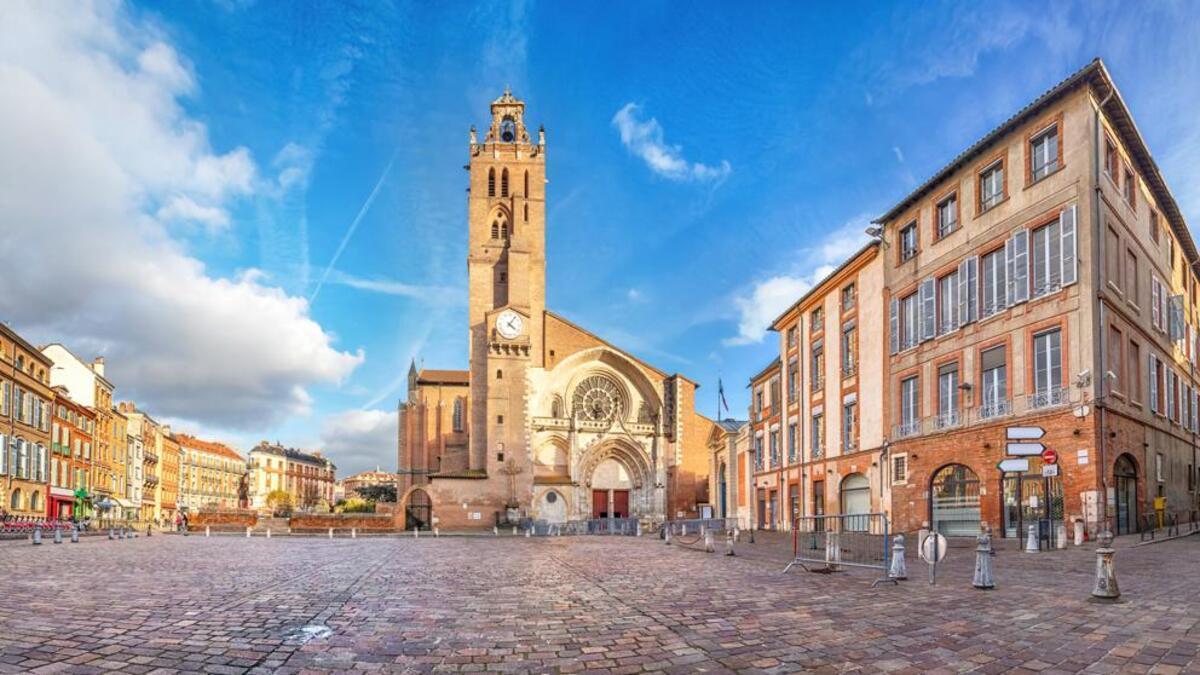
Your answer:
<point x="304" y="634"/>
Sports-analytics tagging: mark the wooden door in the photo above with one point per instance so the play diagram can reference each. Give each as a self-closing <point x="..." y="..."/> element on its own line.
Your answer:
<point x="620" y="503"/>
<point x="599" y="503"/>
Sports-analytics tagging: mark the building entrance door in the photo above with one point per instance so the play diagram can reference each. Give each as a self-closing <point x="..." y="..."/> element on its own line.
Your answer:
<point x="599" y="503"/>
<point x="1126" y="488"/>
<point x="620" y="503"/>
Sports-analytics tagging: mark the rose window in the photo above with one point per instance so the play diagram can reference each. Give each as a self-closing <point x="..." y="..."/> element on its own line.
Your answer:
<point x="597" y="399"/>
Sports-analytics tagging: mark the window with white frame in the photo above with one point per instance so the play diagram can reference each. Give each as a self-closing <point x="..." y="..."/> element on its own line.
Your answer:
<point x="947" y="303"/>
<point x="793" y="443"/>
<point x="1047" y="369"/>
<point x="774" y="441"/>
<point x="849" y="426"/>
<point x="909" y="407"/>
<point x="947" y="396"/>
<point x="909" y="321"/>
<point x="995" y="284"/>
<point x="991" y="185"/>
<point x="908" y="241"/>
<point x="899" y="468"/>
<point x="1044" y="153"/>
<point x="818" y="435"/>
<point x="1046" y="259"/>
<point x="947" y="215"/>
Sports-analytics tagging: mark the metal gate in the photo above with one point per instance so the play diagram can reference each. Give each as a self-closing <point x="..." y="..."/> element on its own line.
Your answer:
<point x="826" y="543"/>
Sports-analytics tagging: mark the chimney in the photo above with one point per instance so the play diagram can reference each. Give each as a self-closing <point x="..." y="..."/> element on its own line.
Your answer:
<point x="98" y="365"/>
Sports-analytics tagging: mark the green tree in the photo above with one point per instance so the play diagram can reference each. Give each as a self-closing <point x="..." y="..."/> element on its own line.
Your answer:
<point x="378" y="493"/>
<point x="279" y="501"/>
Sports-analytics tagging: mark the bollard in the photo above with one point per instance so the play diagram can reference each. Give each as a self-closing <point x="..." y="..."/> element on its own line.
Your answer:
<point x="57" y="535"/>
<point x="1106" y="573"/>
<point x="247" y="533"/>
<point x="514" y="530"/>
<point x="736" y="534"/>
<point x="37" y="535"/>
<point x="206" y="532"/>
<point x="667" y="532"/>
<point x="354" y="533"/>
<point x="684" y="532"/>
<point x="330" y="533"/>
<point x="708" y="542"/>
<point x="496" y="530"/>
<point x="1079" y="533"/>
<point x="833" y="551"/>
<point x="729" y="537"/>
<point x="75" y="534"/>
<point x="436" y="533"/>
<point x="416" y="533"/>
<point x="124" y="534"/>
<point x="1062" y="536"/>
<point x="527" y="531"/>
<point x="1031" y="542"/>
<point x="147" y="529"/>
<point x="898" y="570"/>
<point x="268" y="533"/>
<point x="111" y="534"/>
<point x="639" y="528"/>
<point x="983" y="563"/>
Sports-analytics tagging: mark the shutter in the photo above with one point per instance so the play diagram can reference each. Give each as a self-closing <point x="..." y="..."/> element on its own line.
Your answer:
<point x="928" y="309"/>
<point x="1176" y="317"/>
<point x="1019" y="273"/>
<point x="1195" y="401"/>
<point x="972" y="288"/>
<point x="1154" y="293"/>
<point x="1153" y="384"/>
<point x="894" y="324"/>
<point x="964" y="295"/>
<point x="1068" y="251"/>
<point x="1169" y="385"/>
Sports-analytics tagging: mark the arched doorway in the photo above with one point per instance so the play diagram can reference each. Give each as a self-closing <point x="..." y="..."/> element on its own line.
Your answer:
<point x="722" y="492"/>
<point x="610" y="490"/>
<point x="954" y="501"/>
<point x="418" y="513"/>
<point x="1125" y="477"/>
<point x="856" y="502"/>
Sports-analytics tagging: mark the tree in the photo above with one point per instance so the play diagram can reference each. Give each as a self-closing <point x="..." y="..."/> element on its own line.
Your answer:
<point x="384" y="492"/>
<point x="279" y="501"/>
<point x="357" y="505"/>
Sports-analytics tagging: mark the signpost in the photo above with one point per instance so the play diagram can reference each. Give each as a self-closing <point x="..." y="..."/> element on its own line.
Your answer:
<point x="1025" y="449"/>
<point x="1049" y="456"/>
<point x="1025" y="433"/>
<point x="1014" y="465"/>
<point x="932" y="550"/>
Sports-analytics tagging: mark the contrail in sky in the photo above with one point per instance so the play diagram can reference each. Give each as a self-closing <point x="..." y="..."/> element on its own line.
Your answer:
<point x="353" y="226"/>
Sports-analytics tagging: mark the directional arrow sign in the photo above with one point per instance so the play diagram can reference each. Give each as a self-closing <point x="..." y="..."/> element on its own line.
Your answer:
<point x="1025" y="433"/>
<point x="1025" y="449"/>
<point x="1016" y="465"/>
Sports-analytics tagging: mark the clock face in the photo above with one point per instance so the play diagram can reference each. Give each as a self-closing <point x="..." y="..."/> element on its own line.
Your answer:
<point x="509" y="324"/>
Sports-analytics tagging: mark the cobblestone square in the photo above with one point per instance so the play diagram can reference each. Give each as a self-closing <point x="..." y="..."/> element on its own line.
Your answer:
<point x="575" y="604"/>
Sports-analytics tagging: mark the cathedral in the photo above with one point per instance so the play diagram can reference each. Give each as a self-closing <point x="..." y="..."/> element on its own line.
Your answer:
<point x="550" y="422"/>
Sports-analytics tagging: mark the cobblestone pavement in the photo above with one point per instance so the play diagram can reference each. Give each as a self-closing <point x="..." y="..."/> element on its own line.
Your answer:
<point x="622" y="605"/>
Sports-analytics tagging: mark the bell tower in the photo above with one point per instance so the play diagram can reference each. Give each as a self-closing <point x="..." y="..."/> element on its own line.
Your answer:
<point x="506" y="274"/>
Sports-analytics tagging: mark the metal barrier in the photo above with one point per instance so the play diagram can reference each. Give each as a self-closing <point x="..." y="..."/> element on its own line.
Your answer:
<point x="858" y="540"/>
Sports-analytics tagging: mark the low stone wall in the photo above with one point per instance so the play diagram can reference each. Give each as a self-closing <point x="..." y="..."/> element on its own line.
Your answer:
<point x="220" y="521"/>
<point x="363" y="522"/>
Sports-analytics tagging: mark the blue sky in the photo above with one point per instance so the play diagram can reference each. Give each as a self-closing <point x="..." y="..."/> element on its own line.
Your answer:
<point x="257" y="209"/>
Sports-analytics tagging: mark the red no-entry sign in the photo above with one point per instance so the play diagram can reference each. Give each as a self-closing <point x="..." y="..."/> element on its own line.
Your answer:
<point x="1049" y="456"/>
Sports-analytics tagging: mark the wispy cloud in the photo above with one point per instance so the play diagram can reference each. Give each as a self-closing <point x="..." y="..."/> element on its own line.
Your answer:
<point x="899" y="153"/>
<point x="644" y="138"/>
<point x="184" y="209"/>
<point x="766" y="299"/>
<point x="438" y="295"/>
<point x="362" y="211"/>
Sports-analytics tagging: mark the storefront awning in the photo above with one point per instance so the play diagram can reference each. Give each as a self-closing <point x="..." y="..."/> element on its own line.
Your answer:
<point x="126" y="504"/>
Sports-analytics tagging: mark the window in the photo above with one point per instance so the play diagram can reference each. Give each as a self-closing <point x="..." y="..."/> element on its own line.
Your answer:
<point x="995" y="285"/>
<point x="525" y="208"/>
<point x="793" y="445"/>
<point x="1159" y="466"/>
<point x="908" y="241"/>
<point x="947" y="300"/>
<point x="816" y="373"/>
<point x="818" y="435"/>
<point x="458" y="414"/>
<point x="1047" y="370"/>
<point x="908" y="321"/>
<point x="1130" y="188"/>
<point x="1131" y="276"/>
<point x="817" y="320"/>
<point x="1044" y="153"/>
<point x="1110" y="159"/>
<point x="1171" y="253"/>
<point x="1154" y="225"/>
<point x="776" y="394"/>
<point x="1046" y="262"/>
<point x="849" y="349"/>
<point x="526" y="192"/>
<point x="848" y="298"/>
<point x="491" y="182"/>
<point x="774" y="440"/>
<point x="909" y="406"/>
<point x="791" y="337"/>
<point x="793" y="378"/>
<point x="994" y="384"/>
<point x="899" y="469"/>
<point x="1115" y="343"/>
<point x="991" y="185"/>
<point x="947" y="396"/>
<point x="947" y="215"/>
<point x="495" y="229"/>
<point x="1112" y="267"/>
<point x="504" y="183"/>
<point x="758" y="401"/>
<point x="758" y="451"/>
<point x="1158" y="304"/>
<point x="849" y="427"/>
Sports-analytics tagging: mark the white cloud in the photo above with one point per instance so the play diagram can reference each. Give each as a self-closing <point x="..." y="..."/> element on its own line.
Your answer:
<point x="767" y="299"/>
<point x="357" y="440"/>
<point x="899" y="153"/>
<point x="645" y="140"/>
<point x="89" y="102"/>
<point x="436" y="295"/>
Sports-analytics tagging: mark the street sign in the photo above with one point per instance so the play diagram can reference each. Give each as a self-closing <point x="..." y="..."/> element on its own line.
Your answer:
<point x="1025" y="433"/>
<point x="1049" y="456"/>
<point x="933" y="548"/>
<point x="1049" y="471"/>
<point x="1014" y="465"/>
<point x="1024" y="449"/>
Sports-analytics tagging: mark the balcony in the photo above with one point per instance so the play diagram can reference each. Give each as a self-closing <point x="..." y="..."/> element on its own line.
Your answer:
<point x="992" y="410"/>
<point x="947" y="420"/>
<point x="1048" y="398"/>
<point x="908" y="429"/>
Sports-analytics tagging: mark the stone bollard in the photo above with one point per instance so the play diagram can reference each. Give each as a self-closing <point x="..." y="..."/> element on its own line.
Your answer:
<point x="1079" y="533"/>
<point x="416" y="532"/>
<point x="75" y="534"/>
<point x="983" y="563"/>
<point x="527" y="532"/>
<point x="57" y="535"/>
<point x="436" y="533"/>
<point x="514" y="530"/>
<point x="708" y="542"/>
<point x="683" y="532"/>
<point x="667" y="533"/>
<point x="1031" y="542"/>
<point x="496" y="530"/>
<point x="736" y="535"/>
<point x="207" y="533"/>
<point x="729" y="537"/>
<point x="247" y="533"/>
<point x="639" y="528"/>
<point x="124" y="534"/>
<point x="268" y="533"/>
<point x="1106" y="573"/>
<point x="833" y="551"/>
<point x="330" y="533"/>
<point x="37" y="534"/>
<point x="111" y="534"/>
<point x="1061" y="542"/>
<point x="354" y="533"/>
<point x="147" y="529"/>
<point x="898" y="569"/>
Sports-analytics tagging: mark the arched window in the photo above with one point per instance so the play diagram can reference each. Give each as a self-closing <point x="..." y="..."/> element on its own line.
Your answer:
<point x="527" y="213"/>
<point x="35" y="501"/>
<point x="495" y="229"/>
<point x="14" y="502"/>
<point x="504" y="229"/>
<point x="499" y="374"/>
<point x="504" y="183"/>
<point x="491" y="182"/>
<point x="458" y="414"/>
<point x="954" y="495"/>
<point x="526" y="193"/>
<point x="856" y="502"/>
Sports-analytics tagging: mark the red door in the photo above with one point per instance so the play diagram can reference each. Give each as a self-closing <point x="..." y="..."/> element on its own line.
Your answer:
<point x="620" y="503"/>
<point x="599" y="503"/>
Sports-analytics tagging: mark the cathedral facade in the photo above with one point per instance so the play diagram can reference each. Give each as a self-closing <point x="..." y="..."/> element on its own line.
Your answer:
<point x="549" y="422"/>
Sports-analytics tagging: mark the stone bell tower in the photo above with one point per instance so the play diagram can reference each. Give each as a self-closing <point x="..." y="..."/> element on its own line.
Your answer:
<point x="506" y="269"/>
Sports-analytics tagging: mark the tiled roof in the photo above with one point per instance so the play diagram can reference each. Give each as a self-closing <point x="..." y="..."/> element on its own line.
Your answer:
<point x="292" y="454"/>
<point x="211" y="447"/>
<point x="427" y="376"/>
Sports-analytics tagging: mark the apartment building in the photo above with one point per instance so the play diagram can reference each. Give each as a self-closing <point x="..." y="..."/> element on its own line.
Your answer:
<point x="26" y="407"/>
<point x="768" y="483"/>
<point x="71" y="454"/>
<point x="1044" y="278"/>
